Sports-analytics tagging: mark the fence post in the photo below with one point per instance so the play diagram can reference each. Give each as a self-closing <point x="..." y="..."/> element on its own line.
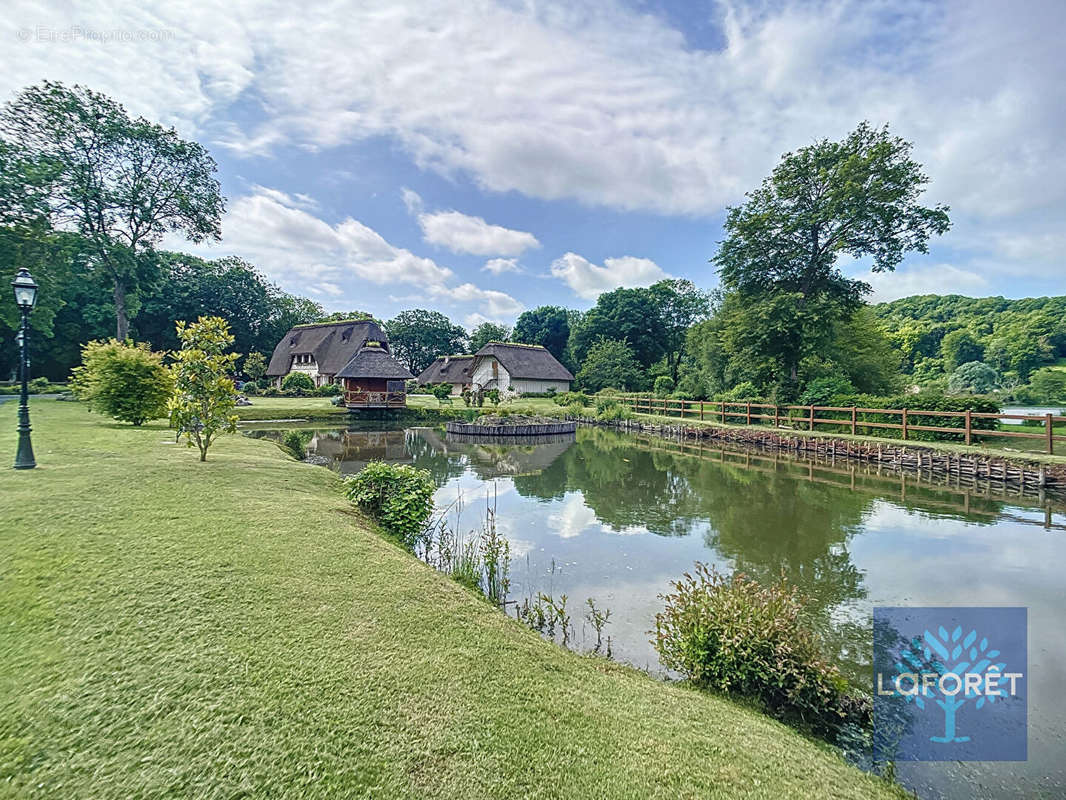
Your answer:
<point x="1050" y="435"/>
<point x="969" y="426"/>
<point x="904" y="424"/>
<point x="777" y="417"/>
<point x="683" y="401"/>
<point x="701" y="411"/>
<point x="721" y="416"/>
<point x="810" y="425"/>
<point x="748" y="411"/>
<point x="854" y="419"/>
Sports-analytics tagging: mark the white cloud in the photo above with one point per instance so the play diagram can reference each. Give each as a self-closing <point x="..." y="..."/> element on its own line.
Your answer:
<point x="938" y="279"/>
<point x="498" y="266"/>
<point x="461" y="233"/>
<point x="496" y="305"/>
<point x="548" y="99"/>
<point x="588" y="280"/>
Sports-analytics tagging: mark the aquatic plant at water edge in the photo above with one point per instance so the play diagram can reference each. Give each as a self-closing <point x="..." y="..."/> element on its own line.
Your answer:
<point x="398" y="496"/>
<point x="733" y="634"/>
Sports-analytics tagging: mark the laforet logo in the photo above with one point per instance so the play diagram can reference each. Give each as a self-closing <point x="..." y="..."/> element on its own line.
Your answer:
<point x="949" y="684"/>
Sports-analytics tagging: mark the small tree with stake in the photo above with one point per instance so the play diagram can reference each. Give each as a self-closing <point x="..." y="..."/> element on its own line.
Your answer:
<point x="204" y="397"/>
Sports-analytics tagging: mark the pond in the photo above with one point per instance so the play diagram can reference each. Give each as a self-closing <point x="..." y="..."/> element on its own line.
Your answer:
<point x="617" y="517"/>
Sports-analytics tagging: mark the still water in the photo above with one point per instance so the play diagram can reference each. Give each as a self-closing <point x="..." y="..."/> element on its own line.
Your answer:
<point x="616" y="518"/>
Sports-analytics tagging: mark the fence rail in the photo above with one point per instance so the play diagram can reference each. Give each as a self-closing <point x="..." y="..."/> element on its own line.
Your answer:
<point x="791" y="416"/>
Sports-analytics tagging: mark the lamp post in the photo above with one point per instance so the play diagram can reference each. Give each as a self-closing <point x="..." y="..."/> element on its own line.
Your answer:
<point x="25" y="298"/>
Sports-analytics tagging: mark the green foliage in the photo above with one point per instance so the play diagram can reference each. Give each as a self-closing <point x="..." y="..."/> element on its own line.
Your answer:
<point x="127" y="382"/>
<point x="122" y="182"/>
<point x="610" y="362"/>
<point x="937" y="333"/>
<point x="493" y="396"/>
<point x="664" y="384"/>
<point x="923" y="401"/>
<point x="328" y="390"/>
<point x="1048" y="385"/>
<point x="611" y="409"/>
<point x="568" y="398"/>
<point x="960" y="347"/>
<point x="398" y="496"/>
<point x="631" y="316"/>
<point x="734" y="635"/>
<point x="575" y="409"/>
<point x="297" y="382"/>
<point x="38" y="385"/>
<point x="975" y="377"/>
<point x="548" y="326"/>
<point x="745" y="390"/>
<point x="255" y="365"/>
<point x="442" y="391"/>
<point x="204" y="397"/>
<point x="418" y="336"/>
<point x="488" y="332"/>
<point x="821" y="390"/>
<point x="857" y="197"/>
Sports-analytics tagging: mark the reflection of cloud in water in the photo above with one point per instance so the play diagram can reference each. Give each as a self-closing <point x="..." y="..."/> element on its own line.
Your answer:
<point x="574" y="517"/>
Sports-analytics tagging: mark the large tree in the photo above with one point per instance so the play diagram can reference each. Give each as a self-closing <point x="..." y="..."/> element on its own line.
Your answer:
<point x="418" y="336"/>
<point x="488" y="332"/>
<point x="548" y="326"/>
<point x="610" y="363"/>
<point x="121" y="182"/>
<point x="630" y="315"/>
<point x="680" y="305"/>
<point x="859" y="197"/>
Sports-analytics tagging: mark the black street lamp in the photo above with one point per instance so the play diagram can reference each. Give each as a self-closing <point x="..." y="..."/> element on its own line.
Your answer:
<point x="25" y="298"/>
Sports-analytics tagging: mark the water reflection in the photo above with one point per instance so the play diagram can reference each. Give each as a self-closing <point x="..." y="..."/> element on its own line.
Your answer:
<point x="617" y="518"/>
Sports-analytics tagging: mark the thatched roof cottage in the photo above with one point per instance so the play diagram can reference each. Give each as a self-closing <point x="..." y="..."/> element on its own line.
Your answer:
<point x="353" y="353"/>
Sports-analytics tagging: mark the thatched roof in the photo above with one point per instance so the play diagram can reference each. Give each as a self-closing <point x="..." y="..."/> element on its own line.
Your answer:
<point x="374" y="361"/>
<point x="530" y="361"/>
<point x="448" y="369"/>
<point x="332" y="345"/>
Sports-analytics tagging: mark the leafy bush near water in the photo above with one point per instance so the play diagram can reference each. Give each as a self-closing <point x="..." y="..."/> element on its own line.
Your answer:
<point x="732" y="634"/>
<point x="398" y="496"/>
<point x="609" y="409"/>
<point x="923" y="401"/>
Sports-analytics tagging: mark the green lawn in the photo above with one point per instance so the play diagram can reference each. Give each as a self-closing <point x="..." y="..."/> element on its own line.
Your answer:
<point x="233" y="629"/>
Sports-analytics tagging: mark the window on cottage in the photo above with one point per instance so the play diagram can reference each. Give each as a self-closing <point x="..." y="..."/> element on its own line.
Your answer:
<point x="396" y="386"/>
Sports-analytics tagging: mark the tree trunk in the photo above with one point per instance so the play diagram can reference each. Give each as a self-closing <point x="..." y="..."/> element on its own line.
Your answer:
<point x="122" y="322"/>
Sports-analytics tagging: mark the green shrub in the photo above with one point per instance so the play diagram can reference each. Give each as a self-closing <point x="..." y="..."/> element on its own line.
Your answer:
<point x="39" y="385"/>
<point x="575" y="410"/>
<point x="263" y="383"/>
<point x="298" y="382"/>
<point x="296" y="442"/>
<point x="923" y="401"/>
<point x="398" y="496"/>
<point x="611" y="409"/>
<point x="743" y="391"/>
<point x="328" y="390"/>
<point x="821" y="390"/>
<point x="663" y="385"/>
<point x="731" y="634"/>
<point x="125" y="382"/>
<point x="442" y="391"/>
<point x="568" y="398"/>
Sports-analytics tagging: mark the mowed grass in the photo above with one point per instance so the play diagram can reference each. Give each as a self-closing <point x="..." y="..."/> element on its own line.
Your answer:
<point x="233" y="629"/>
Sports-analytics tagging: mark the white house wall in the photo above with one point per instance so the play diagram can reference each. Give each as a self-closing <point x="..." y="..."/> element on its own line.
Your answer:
<point x="529" y="386"/>
<point x="483" y="375"/>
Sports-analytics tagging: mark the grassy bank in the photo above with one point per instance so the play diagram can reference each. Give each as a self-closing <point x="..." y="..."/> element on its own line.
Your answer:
<point x="234" y="629"/>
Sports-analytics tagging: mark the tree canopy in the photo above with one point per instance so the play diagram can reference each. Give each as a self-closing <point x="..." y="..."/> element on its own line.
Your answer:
<point x="418" y="336"/>
<point x="488" y="332"/>
<point x="548" y="326"/>
<point x="122" y="183"/>
<point x="859" y="197"/>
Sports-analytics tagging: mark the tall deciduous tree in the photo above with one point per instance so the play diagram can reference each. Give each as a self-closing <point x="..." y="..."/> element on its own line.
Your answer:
<point x="548" y="326"/>
<point x="418" y="336"/>
<point x="204" y="394"/>
<point x="611" y="363"/>
<point x="120" y="182"/>
<point x="681" y="305"/>
<point x="488" y="332"/>
<point x="857" y="197"/>
<point x="630" y="315"/>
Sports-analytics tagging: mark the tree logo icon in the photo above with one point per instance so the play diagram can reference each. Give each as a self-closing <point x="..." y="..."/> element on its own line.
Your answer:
<point x="930" y="664"/>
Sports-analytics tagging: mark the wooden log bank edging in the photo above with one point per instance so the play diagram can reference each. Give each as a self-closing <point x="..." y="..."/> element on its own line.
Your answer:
<point x="971" y="467"/>
<point x="543" y="429"/>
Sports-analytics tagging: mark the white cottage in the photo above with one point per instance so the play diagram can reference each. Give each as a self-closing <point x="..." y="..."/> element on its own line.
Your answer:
<point x="518" y="369"/>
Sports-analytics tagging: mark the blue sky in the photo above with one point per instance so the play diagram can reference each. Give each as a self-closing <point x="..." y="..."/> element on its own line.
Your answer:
<point x="486" y="157"/>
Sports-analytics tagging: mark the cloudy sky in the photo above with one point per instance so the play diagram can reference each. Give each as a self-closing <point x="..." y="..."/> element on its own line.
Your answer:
<point x="482" y="158"/>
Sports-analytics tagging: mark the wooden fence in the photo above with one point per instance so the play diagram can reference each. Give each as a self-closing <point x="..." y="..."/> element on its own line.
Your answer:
<point x="746" y="413"/>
